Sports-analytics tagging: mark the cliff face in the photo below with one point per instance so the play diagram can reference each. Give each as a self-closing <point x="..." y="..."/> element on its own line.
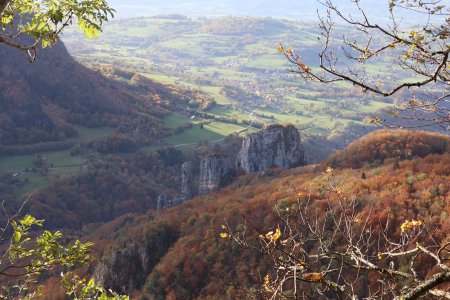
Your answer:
<point x="275" y="146"/>
<point x="187" y="185"/>
<point x="187" y="180"/>
<point x="127" y="266"/>
<point x="214" y="172"/>
<point x="164" y="202"/>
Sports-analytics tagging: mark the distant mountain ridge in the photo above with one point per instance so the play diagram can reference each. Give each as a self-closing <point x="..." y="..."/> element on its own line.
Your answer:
<point x="292" y="9"/>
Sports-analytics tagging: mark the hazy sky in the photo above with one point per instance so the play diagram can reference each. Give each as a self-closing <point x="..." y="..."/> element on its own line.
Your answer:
<point x="296" y="9"/>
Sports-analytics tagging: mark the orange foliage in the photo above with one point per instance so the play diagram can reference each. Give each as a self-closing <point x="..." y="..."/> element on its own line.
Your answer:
<point x="202" y="265"/>
<point x="389" y="145"/>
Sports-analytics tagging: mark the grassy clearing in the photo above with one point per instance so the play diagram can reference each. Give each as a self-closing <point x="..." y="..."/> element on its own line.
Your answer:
<point x="215" y="92"/>
<point x="230" y="111"/>
<point x="224" y="129"/>
<point x="175" y="120"/>
<point x="164" y="79"/>
<point x="267" y="62"/>
<point x="56" y="158"/>
<point x="34" y="181"/>
<point x="86" y="134"/>
<point x="60" y="163"/>
<point x="375" y="106"/>
<point x="193" y="135"/>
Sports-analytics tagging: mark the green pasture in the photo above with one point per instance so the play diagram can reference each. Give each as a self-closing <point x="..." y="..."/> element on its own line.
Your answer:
<point x="86" y="134"/>
<point x="59" y="162"/>
<point x="193" y="135"/>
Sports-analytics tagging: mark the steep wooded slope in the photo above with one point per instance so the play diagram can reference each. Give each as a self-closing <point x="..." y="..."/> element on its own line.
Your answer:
<point x="178" y="254"/>
<point x="43" y="101"/>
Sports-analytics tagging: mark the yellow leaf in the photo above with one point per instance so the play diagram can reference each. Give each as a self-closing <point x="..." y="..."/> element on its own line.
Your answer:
<point x="223" y="235"/>
<point x="410" y="225"/>
<point x="266" y="284"/>
<point x="280" y="49"/>
<point x="277" y="234"/>
<point x="273" y="236"/>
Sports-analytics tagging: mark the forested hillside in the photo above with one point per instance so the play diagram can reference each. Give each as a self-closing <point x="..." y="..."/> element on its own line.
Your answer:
<point x="44" y="101"/>
<point x="179" y="254"/>
<point x="55" y="113"/>
<point x="388" y="145"/>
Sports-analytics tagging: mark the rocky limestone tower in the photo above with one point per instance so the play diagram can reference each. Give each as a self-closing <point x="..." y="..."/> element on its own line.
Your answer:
<point x="162" y="202"/>
<point x="274" y="146"/>
<point x="213" y="174"/>
<point x="187" y="180"/>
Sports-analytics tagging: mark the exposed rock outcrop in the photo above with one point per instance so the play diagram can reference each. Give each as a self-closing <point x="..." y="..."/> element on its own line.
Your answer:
<point x="214" y="172"/>
<point x="126" y="267"/>
<point x="164" y="202"/>
<point x="187" y="180"/>
<point x="187" y="186"/>
<point x="274" y="146"/>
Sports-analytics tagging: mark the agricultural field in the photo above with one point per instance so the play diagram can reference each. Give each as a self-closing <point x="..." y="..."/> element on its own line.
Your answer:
<point x="59" y="163"/>
<point x="235" y="61"/>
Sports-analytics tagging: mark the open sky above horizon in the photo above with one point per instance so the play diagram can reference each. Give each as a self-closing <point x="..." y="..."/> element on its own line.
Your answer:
<point x="301" y="10"/>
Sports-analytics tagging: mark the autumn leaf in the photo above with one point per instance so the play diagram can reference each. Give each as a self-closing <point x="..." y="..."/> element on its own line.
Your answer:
<point x="280" y="49"/>
<point x="408" y="225"/>
<point x="273" y="236"/>
<point x="313" y="276"/>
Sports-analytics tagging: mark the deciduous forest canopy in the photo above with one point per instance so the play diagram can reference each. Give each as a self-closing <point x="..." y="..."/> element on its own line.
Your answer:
<point x="225" y="150"/>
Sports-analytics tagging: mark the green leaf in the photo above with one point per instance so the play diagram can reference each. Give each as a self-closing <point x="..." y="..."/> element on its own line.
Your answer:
<point x="16" y="237"/>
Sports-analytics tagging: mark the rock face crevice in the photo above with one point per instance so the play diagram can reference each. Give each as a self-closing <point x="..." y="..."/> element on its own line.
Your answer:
<point x="125" y="268"/>
<point x="187" y="180"/>
<point x="214" y="173"/>
<point x="274" y="146"/>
